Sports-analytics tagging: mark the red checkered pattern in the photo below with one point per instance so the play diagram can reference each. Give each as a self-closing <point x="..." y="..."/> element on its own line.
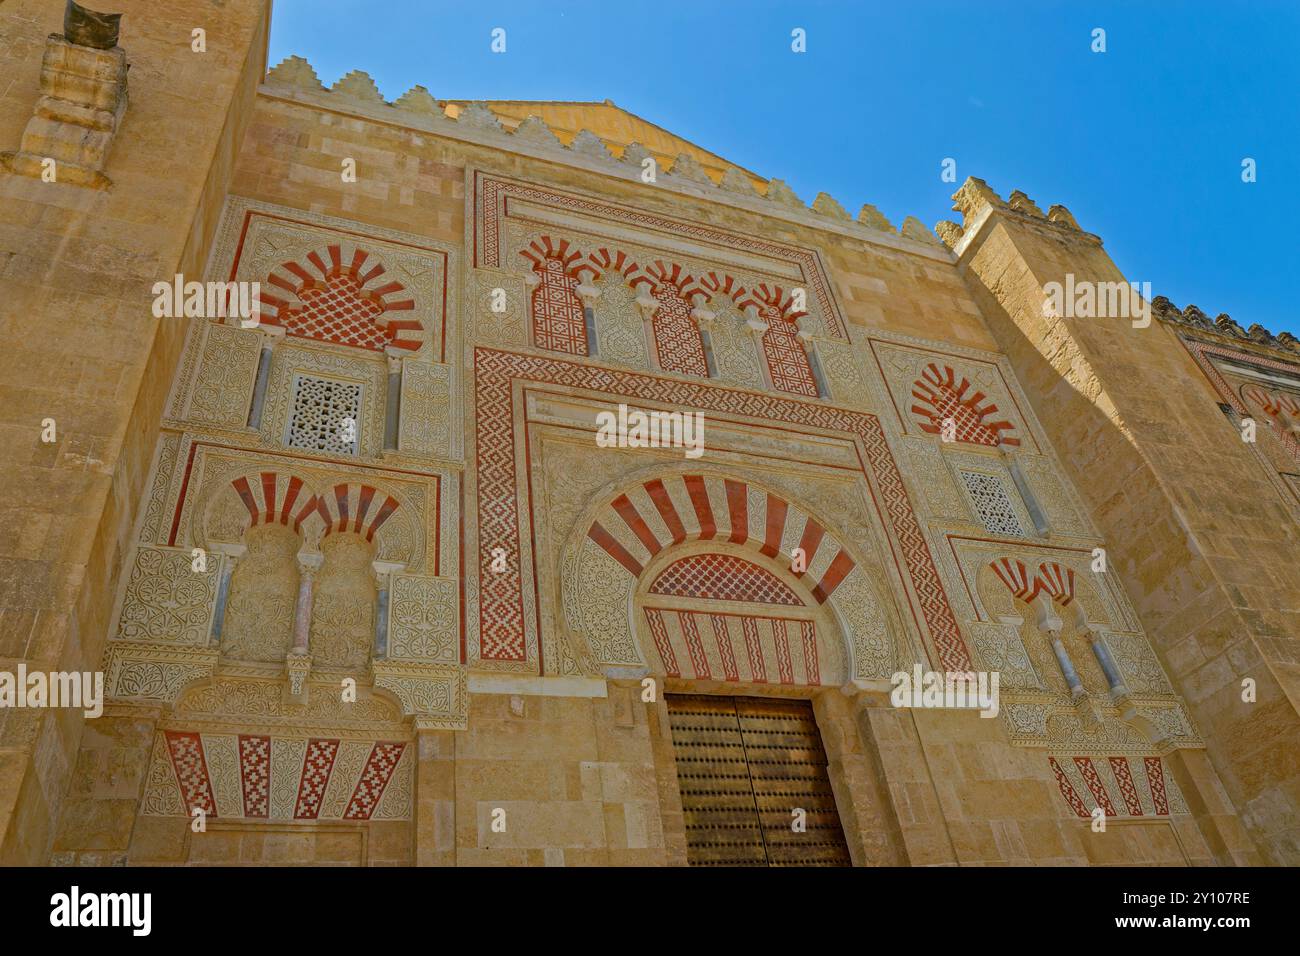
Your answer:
<point x="1124" y="777"/>
<point x="1067" y="789"/>
<point x="1156" y="780"/>
<point x="501" y="609"/>
<point x="940" y="396"/>
<point x="191" y="771"/>
<point x="379" y="770"/>
<point x="1094" y="783"/>
<point x="723" y="577"/>
<point x="335" y="302"/>
<point x="255" y="774"/>
<point x="316" y="767"/>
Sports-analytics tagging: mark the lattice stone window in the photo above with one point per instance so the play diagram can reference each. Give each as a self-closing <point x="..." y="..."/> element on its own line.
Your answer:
<point x="325" y="417"/>
<point x="992" y="501"/>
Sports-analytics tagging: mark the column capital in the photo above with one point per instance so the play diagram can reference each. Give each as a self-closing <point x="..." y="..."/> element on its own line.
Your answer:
<point x="394" y="355"/>
<point x="588" y="293"/>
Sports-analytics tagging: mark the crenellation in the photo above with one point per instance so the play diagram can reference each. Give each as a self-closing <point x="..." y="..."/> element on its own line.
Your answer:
<point x="358" y="85"/>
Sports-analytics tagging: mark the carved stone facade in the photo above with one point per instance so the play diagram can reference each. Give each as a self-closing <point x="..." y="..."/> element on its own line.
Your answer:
<point x="384" y="577"/>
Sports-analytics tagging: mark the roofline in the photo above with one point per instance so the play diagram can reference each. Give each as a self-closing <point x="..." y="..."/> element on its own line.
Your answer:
<point x="722" y="159"/>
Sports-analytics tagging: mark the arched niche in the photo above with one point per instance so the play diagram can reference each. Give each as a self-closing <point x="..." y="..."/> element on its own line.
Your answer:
<point x="636" y="529"/>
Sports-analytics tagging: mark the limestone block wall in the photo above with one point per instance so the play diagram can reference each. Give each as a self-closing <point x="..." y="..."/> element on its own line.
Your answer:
<point x="83" y="265"/>
<point x="1198" y="530"/>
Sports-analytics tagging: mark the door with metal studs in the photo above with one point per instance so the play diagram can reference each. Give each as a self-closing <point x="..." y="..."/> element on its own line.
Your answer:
<point x="746" y="767"/>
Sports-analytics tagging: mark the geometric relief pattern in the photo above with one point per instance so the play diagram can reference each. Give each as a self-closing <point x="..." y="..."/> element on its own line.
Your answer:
<point x="223" y="382"/>
<point x="325" y="415"/>
<point x="992" y="502"/>
<point x="255" y="773"/>
<point x="501" y="615"/>
<point x="743" y="648"/>
<point x="1134" y="783"/>
<point x="723" y="577"/>
<point x="166" y="599"/>
<point x="258" y="777"/>
<point x="192" y="771"/>
<point x="374" y="778"/>
<point x="315" y="775"/>
<point x="424" y="622"/>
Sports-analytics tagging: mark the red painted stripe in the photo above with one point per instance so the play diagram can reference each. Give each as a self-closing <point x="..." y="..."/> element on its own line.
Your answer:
<point x="808" y="632"/>
<point x="662" y="644"/>
<point x="700" y="501"/>
<point x="738" y="507"/>
<point x="336" y="260"/>
<point x="694" y="646"/>
<point x="811" y="540"/>
<point x="664" y="505"/>
<point x="615" y="550"/>
<point x="290" y="496"/>
<point x="389" y="506"/>
<point x="358" y="260"/>
<point x="246" y="496"/>
<point x="632" y="518"/>
<point x="378" y="270"/>
<point x="315" y="259"/>
<point x="722" y="639"/>
<point x="367" y="495"/>
<point x="776" y="511"/>
<point x="312" y="504"/>
<point x="754" y="648"/>
<point x="282" y="283"/>
<point x="386" y="288"/>
<point x="341" y="499"/>
<point x="839" y="569"/>
<point x="268" y="495"/>
<point x="300" y="272"/>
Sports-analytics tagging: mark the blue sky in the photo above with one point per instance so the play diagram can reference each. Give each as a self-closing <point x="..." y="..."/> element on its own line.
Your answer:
<point x="1144" y="143"/>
